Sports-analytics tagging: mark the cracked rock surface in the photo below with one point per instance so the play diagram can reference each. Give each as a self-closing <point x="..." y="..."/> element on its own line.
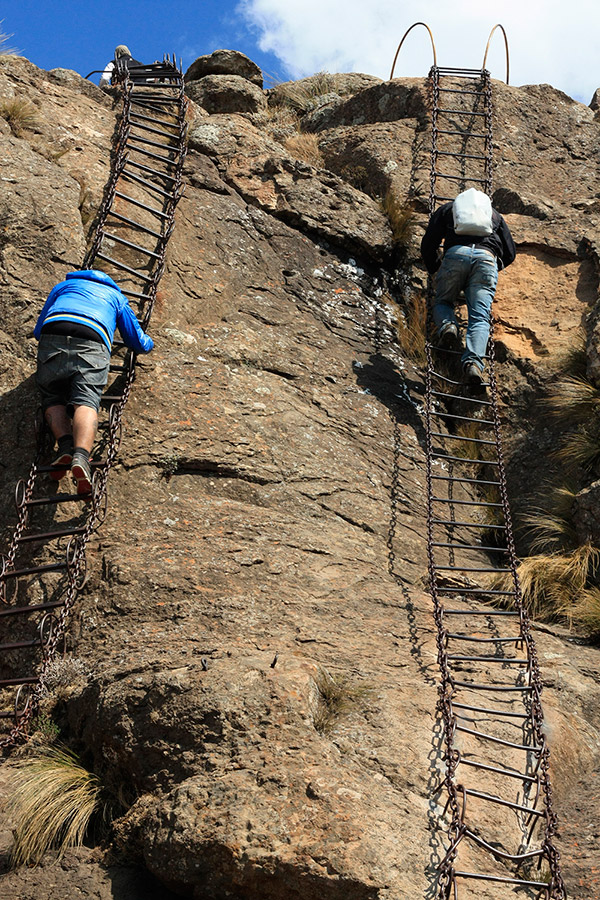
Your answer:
<point x="250" y="548"/>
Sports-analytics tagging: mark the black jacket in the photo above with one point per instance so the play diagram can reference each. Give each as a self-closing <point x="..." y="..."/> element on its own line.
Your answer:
<point x="441" y="228"/>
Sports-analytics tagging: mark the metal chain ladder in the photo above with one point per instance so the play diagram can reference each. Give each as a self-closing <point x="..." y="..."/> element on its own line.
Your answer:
<point x="133" y="228"/>
<point x="499" y="796"/>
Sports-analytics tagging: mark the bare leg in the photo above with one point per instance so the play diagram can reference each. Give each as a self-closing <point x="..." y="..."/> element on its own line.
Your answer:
<point x="59" y="421"/>
<point x="85" y="424"/>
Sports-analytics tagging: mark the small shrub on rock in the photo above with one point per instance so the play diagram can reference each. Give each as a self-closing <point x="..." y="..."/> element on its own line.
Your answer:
<point x="20" y="114"/>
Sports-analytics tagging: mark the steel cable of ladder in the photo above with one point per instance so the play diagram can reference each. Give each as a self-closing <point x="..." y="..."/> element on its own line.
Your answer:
<point x="496" y="755"/>
<point x="133" y="227"/>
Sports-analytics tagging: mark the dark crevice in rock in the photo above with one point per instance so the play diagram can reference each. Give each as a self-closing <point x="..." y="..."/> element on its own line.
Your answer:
<point x="362" y="525"/>
<point x="209" y="469"/>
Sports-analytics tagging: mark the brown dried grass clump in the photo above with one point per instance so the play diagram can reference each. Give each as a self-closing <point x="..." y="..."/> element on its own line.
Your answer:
<point x="558" y="584"/>
<point x="301" y="95"/>
<point x="305" y="147"/>
<point x="53" y="801"/>
<point x="20" y="114"/>
<point x="412" y="330"/>
<point x="335" y="697"/>
<point x="401" y="216"/>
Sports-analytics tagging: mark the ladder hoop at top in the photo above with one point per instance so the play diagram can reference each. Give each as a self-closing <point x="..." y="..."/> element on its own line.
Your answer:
<point x="487" y="47"/>
<point x="406" y="33"/>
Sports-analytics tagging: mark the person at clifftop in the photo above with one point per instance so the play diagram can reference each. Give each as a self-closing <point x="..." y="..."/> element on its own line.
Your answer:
<point x="122" y="57"/>
<point x="75" y="330"/>
<point x="470" y="263"/>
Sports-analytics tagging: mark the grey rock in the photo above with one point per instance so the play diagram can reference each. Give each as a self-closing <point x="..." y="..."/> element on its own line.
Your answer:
<point x="226" y="94"/>
<point x="225" y="62"/>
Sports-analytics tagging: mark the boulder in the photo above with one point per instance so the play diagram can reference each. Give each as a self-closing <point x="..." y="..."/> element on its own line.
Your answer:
<point x="225" y="62"/>
<point x="386" y="101"/>
<point x="226" y="94"/>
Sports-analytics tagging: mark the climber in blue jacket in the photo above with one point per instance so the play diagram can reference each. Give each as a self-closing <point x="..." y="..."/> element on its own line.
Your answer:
<point x="75" y="331"/>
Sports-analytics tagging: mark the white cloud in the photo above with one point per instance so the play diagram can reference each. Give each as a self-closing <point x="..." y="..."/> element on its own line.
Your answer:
<point x="550" y="41"/>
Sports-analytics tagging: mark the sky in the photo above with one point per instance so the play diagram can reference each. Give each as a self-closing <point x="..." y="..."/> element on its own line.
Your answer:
<point x="550" y="41"/>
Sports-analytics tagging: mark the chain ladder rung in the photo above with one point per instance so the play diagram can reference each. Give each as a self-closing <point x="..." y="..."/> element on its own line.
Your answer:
<point x="490" y="712"/>
<point x="502" y="879"/>
<point x="34" y="607"/>
<point x="530" y="779"/>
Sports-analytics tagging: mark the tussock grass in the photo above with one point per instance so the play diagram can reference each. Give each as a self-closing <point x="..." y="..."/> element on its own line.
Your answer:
<point x="336" y="696"/>
<point x="554" y="584"/>
<point x="305" y="147"/>
<point x="412" y="330"/>
<point x="20" y="114"/>
<point x="581" y="448"/>
<point x="401" y="217"/>
<point x="301" y="95"/>
<point x="53" y="801"/>
<point x="586" y="610"/>
<point x="282" y="123"/>
<point x="549" y="528"/>
<point x="5" y="50"/>
<point x="573" y="400"/>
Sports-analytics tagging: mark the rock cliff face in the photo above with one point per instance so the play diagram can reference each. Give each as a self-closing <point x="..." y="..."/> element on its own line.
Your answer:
<point x="251" y="565"/>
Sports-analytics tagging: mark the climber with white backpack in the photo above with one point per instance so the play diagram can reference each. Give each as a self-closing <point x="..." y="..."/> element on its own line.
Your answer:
<point x="477" y="244"/>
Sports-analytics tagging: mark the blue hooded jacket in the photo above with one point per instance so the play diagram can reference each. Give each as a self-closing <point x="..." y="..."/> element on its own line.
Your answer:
<point x="90" y="297"/>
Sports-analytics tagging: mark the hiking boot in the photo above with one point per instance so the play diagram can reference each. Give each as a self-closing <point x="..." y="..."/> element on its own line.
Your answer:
<point x="63" y="459"/>
<point x="473" y="376"/>
<point x="448" y="336"/>
<point x="82" y="473"/>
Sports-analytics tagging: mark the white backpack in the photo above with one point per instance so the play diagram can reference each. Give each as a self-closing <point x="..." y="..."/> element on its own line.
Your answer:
<point x="472" y="212"/>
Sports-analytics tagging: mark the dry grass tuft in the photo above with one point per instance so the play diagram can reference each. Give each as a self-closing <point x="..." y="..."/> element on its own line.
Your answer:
<point x="301" y="95"/>
<point x="52" y="803"/>
<point x="412" y="330"/>
<point x="305" y="147"/>
<point x="586" y="610"/>
<point x="573" y="400"/>
<point x="554" y="583"/>
<point x="4" y="49"/>
<point x="401" y="217"/>
<point x="282" y="123"/>
<point x="336" y="696"/>
<point x="20" y="114"/>
<point x="550" y="528"/>
<point x="581" y="448"/>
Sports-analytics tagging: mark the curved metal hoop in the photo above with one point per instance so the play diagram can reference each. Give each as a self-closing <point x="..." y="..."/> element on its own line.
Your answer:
<point x="20" y="494"/>
<point x="22" y="700"/>
<point x="46" y="630"/>
<point x="487" y="47"/>
<point x="76" y="560"/>
<point x="406" y="33"/>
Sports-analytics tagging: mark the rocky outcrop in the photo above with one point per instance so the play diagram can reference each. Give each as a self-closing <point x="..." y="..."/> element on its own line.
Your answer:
<point x="226" y="94"/>
<point x="251" y="556"/>
<point x="266" y="176"/>
<point x="225" y="62"/>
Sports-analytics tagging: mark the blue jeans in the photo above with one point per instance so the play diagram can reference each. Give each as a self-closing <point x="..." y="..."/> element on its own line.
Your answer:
<point x="475" y="271"/>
